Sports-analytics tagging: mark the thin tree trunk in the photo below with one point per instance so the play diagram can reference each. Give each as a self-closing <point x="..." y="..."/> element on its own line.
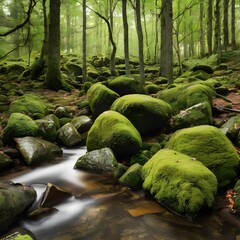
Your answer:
<point x="166" y="59"/>
<point x="156" y="34"/>
<point x="217" y="14"/>
<point x="126" y="39"/>
<point x="210" y="27"/>
<point x="202" y="42"/>
<point x="233" y="28"/>
<point x="145" y="30"/>
<point x="140" y="44"/>
<point x="225" y="25"/>
<point x="84" y="42"/>
<point x="44" y="49"/>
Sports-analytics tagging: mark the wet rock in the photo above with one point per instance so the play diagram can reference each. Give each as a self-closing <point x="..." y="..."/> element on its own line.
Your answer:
<point x="210" y="146"/>
<point x="62" y="112"/>
<point x="186" y="95"/>
<point x="113" y="130"/>
<point x="140" y="158"/>
<point x="14" y="200"/>
<point x="132" y="178"/>
<point x="231" y="127"/>
<point x="101" y="160"/>
<point x="180" y="182"/>
<point x="199" y="114"/>
<point x="119" y="170"/>
<point x="19" y="234"/>
<point x="82" y="123"/>
<point x="100" y="98"/>
<point x="46" y="129"/>
<point x="5" y="161"/>
<point x="74" y="69"/>
<point x="146" y="113"/>
<point x="53" y="195"/>
<point x="19" y="125"/>
<point x="68" y="135"/>
<point x="35" y="150"/>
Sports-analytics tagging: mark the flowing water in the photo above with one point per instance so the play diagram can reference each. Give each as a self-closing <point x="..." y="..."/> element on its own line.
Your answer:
<point x="99" y="208"/>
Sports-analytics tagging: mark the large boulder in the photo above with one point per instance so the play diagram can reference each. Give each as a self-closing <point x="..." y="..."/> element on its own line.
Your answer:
<point x="31" y="105"/>
<point x="101" y="160"/>
<point x="113" y="130"/>
<point x="179" y="182"/>
<point x="210" y="146"/>
<point x="14" y="200"/>
<point x="36" y="150"/>
<point x="19" y="125"/>
<point x="199" y="114"/>
<point x="186" y="95"/>
<point x="124" y="85"/>
<point x="100" y="98"/>
<point x="146" y="113"/>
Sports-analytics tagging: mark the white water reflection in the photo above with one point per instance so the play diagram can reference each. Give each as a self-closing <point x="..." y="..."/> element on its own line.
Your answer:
<point x="57" y="172"/>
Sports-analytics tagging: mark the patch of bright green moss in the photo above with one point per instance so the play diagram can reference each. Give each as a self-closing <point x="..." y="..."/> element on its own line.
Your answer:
<point x="179" y="182"/>
<point x="210" y="146"/>
<point x="113" y="130"/>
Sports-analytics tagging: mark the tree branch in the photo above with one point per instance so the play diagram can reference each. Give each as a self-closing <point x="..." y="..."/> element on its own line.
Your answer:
<point x="29" y="11"/>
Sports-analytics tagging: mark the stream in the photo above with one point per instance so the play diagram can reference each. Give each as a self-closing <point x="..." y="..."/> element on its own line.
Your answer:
<point x="100" y="208"/>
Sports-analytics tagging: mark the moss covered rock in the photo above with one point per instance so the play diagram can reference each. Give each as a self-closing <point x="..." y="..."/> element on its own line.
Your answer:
<point x="179" y="182"/>
<point x="210" y="146"/>
<point x="230" y="128"/>
<point x="31" y="105"/>
<point x="113" y="130"/>
<point x="14" y="200"/>
<point x="124" y="85"/>
<point x="186" y="95"/>
<point x="146" y="113"/>
<point x="19" y="125"/>
<point x="100" y="160"/>
<point x="68" y="135"/>
<point x="5" y="161"/>
<point x="199" y="114"/>
<point x="35" y="150"/>
<point x="132" y="178"/>
<point x="100" y="98"/>
<point x="82" y="123"/>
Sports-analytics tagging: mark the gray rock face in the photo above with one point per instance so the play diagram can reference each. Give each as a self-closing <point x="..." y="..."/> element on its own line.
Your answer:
<point x="101" y="160"/>
<point x="35" y="150"/>
<point x="14" y="199"/>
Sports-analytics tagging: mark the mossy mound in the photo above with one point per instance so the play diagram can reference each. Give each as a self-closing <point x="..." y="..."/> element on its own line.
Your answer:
<point x="199" y="114"/>
<point x="124" y="85"/>
<point x="113" y="130"/>
<point x="146" y="113"/>
<point x="179" y="182"/>
<point x="210" y="146"/>
<point x="31" y="105"/>
<point x="100" y="98"/>
<point x="19" y="125"/>
<point x="186" y="95"/>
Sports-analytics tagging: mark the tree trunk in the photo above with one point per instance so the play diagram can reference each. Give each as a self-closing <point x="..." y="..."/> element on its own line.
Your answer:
<point x="210" y="27"/>
<point x="84" y="41"/>
<point x="233" y="29"/>
<point x="140" y="44"/>
<point x="217" y="14"/>
<point x="156" y="34"/>
<point x="202" y="40"/>
<point x="166" y="59"/>
<point x="225" y="25"/>
<point x="54" y="78"/>
<point x="44" y="49"/>
<point x="145" y="31"/>
<point x="126" y="40"/>
<point x="191" y="45"/>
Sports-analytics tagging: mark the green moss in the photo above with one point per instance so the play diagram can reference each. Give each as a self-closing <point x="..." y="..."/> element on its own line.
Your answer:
<point x="179" y="182"/>
<point x="31" y="105"/>
<point x="186" y="95"/>
<point x="19" y="125"/>
<point x="124" y="85"/>
<point x="113" y="130"/>
<point x="146" y="113"/>
<point x="210" y="146"/>
<point x="132" y="178"/>
<point x="100" y="98"/>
